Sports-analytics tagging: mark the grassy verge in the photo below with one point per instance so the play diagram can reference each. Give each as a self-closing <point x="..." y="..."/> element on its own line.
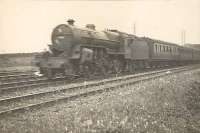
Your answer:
<point x="164" y="105"/>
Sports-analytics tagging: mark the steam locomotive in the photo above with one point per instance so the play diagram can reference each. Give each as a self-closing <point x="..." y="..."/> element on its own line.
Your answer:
<point x="86" y="51"/>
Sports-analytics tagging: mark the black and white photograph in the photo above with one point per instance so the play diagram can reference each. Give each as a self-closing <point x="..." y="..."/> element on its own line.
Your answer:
<point x="99" y="66"/>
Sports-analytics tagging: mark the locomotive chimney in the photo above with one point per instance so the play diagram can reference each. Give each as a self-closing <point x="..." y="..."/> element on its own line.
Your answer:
<point x="70" y="21"/>
<point x="90" y="26"/>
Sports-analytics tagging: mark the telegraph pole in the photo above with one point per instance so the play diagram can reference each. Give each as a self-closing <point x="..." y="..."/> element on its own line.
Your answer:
<point x="134" y="28"/>
<point x="183" y="37"/>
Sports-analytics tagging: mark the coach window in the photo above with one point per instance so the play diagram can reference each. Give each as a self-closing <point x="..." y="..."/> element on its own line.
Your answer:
<point x="166" y="49"/>
<point x="160" y="48"/>
<point x="156" y="48"/>
<point x="172" y="50"/>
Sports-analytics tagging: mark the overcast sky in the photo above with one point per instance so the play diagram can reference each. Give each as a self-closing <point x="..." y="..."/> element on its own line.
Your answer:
<point x="25" y="26"/>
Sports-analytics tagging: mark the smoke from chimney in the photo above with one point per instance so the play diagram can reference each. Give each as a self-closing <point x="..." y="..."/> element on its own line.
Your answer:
<point x="70" y="21"/>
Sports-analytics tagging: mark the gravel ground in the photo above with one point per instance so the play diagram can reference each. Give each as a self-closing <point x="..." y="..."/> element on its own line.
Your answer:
<point x="165" y="105"/>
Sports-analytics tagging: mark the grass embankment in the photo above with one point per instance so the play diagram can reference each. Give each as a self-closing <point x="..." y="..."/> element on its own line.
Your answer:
<point x="164" y="105"/>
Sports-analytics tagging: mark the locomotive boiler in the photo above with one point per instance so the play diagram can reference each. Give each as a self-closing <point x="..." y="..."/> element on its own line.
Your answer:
<point x="87" y="51"/>
<point x="81" y="50"/>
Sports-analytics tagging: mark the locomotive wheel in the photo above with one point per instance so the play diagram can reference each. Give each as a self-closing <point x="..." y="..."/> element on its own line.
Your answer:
<point x="129" y="67"/>
<point x="134" y="67"/>
<point x="104" y="70"/>
<point x="42" y="71"/>
<point x="49" y="73"/>
<point x="86" y="70"/>
<point x="117" y="66"/>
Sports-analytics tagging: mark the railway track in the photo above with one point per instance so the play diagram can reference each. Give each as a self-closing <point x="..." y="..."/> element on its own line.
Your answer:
<point x="16" y="78"/>
<point x="31" y="83"/>
<point x="5" y="73"/>
<point x="69" y="92"/>
<point x="22" y="81"/>
<point x="27" y="81"/>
